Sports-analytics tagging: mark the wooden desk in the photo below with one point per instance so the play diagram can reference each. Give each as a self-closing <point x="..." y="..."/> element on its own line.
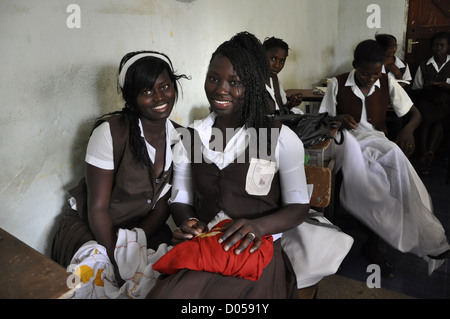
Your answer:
<point x="308" y="95"/>
<point x="323" y="152"/>
<point x="27" y="274"/>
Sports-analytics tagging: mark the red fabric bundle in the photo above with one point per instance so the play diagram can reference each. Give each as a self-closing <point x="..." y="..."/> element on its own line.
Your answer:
<point x="205" y="253"/>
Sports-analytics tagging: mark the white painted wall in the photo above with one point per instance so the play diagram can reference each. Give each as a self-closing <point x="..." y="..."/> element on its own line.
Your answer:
<point x="55" y="81"/>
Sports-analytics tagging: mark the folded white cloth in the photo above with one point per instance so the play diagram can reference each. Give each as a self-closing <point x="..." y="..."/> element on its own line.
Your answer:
<point x="92" y="265"/>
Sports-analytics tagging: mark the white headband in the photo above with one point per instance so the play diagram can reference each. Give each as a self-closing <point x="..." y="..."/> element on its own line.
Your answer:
<point x="136" y="57"/>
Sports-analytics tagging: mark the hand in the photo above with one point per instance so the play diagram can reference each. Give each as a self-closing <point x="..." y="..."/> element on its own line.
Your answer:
<point x="347" y="121"/>
<point x="190" y="228"/>
<point x="296" y="99"/>
<point x="406" y="142"/>
<point x="394" y="70"/>
<point x="237" y="230"/>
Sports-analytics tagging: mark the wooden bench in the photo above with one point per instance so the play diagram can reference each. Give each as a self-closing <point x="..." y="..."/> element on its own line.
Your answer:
<point x="27" y="274"/>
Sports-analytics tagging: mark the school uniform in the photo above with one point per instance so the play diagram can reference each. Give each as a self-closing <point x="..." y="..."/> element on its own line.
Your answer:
<point x="235" y="184"/>
<point x="281" y="99"/>
<point x="432" y="101"/>
<point x="380" y="186"/>
<point x="134" y="194"/>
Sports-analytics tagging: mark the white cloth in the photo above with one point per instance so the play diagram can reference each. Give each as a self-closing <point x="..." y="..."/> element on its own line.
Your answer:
<point x="418" y="78"/>
<point x="382" y="189"/>
<point x="406" y="77"/>
<point x="134" y="261"/>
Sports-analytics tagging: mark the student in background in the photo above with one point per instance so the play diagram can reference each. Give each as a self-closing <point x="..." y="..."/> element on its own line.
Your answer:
<point x="431" y="94"/>
<point x="277" y="53"/>
<point x="380" y="186"/>
<point x="392" y="65"/>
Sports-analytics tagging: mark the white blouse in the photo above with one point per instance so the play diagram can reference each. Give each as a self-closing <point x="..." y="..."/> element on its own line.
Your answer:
<point x="288" y="160"/>
<point x="400" y="101"/>
<point x="99" y="152"/>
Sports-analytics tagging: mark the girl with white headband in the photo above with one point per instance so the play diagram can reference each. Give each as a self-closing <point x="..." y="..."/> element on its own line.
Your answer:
<point x="128" y="164"/>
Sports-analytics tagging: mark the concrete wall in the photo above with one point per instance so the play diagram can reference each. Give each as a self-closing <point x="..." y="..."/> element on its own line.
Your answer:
<point x="56" y="80"/>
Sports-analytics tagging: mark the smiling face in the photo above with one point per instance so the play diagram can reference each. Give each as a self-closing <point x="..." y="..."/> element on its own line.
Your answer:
<point x="367" y="74"/>
<point x="223" y="87"/>
<point x="157" y="102"/>
<point x="277" y="58"/>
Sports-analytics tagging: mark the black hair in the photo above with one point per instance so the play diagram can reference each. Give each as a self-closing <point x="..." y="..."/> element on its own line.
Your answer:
<point x="440" y="35"/>
<point x="272" y="42"/>
<point x="249" y="60"/>
<point x="386" y="40"/>
<point x="368" y="51"/>
<point x="141" y="75"/>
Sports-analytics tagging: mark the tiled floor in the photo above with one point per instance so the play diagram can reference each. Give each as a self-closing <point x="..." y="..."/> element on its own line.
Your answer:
<point x="410" y="274"/>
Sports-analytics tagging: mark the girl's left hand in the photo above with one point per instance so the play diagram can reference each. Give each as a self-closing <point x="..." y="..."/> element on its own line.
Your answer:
<point x="240" y="229"/>
<point x="406" y="142"/>
<point x="296" y="99"/>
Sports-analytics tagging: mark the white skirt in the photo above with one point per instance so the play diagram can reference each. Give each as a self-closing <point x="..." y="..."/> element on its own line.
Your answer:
<point x="382" y="189"/>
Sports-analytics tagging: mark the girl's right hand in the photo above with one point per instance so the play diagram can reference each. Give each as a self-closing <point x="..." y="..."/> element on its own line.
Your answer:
<point x="347" y="121"/>
<point x="190" y="228"/>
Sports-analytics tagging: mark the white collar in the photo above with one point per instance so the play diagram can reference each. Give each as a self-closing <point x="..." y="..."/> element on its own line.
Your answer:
<point x="432" y="61"/>
<point x="351" y="82"/>
<point x="171" y="138"/>
<point x="235" y="147"/>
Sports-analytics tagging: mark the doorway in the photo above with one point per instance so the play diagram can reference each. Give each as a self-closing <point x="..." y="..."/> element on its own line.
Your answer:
<point x="425" y="17"/>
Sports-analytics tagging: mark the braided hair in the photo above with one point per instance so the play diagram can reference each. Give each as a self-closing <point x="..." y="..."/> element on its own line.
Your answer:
<point x="249" y="60"/>
<point x="141" y="75"/>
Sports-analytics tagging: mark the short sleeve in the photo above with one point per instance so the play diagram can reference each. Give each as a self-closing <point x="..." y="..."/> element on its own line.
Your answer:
<point x="182" y="189"/>
<point x="291" y="155"/>
<point x="99" y="151"/>
<point x="329" y="99"/>
<point x="400" y="100"/>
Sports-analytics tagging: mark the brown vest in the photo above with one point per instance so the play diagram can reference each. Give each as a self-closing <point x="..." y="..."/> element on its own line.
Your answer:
<point x="217" y="190"/>
<point x="134" y="191"/>
<point x="376" y="104"/>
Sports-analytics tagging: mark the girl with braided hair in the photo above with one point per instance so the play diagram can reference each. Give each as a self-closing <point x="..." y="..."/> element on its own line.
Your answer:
<point x="262" y="198"/>
<point x="128" y="163"/>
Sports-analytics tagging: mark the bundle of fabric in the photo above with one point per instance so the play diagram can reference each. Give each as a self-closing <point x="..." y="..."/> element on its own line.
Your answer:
<point x="95" y="271"/>
<point x="205" y="253"/>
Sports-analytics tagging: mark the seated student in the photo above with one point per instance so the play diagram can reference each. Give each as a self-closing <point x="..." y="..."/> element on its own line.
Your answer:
<point x="392" y="65"/>
<point x="380" y="187"/>
<point x="128" y="164"/>
<point x="261" y="196"/>
<point x="277" y="52"/>
<point x="431" y="93"/>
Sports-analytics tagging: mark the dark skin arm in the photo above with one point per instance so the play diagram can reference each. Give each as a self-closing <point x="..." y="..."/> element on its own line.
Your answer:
<point x="284" y="219"/>
<point x="405" y="139"/>
<point x="99" y="185"/>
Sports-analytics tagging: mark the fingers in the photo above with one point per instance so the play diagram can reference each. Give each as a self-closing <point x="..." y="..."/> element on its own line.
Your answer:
<point x="189" y="229"/>
<point x="239" y="231"/>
